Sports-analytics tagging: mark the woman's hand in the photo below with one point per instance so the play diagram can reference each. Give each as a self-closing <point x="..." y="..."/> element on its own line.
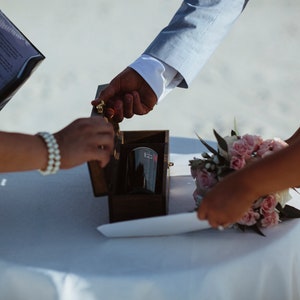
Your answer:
<point x="84" y="140"/>
<point x="227" y="201"/>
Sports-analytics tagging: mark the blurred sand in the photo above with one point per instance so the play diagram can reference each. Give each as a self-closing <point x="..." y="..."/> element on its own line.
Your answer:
<point x="254" y="76"/>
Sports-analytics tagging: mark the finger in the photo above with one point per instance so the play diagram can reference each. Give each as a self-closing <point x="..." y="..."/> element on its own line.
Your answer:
<point x="101" y="150"/>
<point x="109" y="112"/>
<point x="128" y="106"/>
<point x="139" y="107"/>
<point x="109" y="92"/>
<point x="219" y="226"/>
<point x="149" y="99"/>
<point x="101" y="125"/>
<point x="214" y="224"/>
<point x="109" y="109"/>
<point x="203" y="215"/>
<point x="117" y="106"/>
<point x="103" y="157"/>
<point x="106" y="142"/>
<point x="201" y="212"/>
<point x="218" y="222"/>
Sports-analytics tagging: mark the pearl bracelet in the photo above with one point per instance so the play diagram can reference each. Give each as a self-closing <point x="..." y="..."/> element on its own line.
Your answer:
<point x="53" y="153"/>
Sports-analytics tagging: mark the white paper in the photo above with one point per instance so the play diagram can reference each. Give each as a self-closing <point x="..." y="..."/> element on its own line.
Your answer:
<point x="156" y="226"/>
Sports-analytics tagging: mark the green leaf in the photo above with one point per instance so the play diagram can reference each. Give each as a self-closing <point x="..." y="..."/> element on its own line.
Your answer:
<point x="222" y="143"/>
<point x="241" y="227"/>
<point x="235" y="127"/>
<point x="211" y="149"/>
<point x="254" y="227"/>
<point x="288" y="212"/>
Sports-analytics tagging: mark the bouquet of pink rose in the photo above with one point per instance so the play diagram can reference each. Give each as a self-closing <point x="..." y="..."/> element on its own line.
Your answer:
<point x="233" y="153"/>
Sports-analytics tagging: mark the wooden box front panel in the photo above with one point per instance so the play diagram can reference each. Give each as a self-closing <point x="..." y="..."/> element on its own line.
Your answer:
<point x="113" y="180"/>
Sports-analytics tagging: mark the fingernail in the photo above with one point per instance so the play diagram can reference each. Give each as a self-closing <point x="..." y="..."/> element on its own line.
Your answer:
<point x="110" y="112"/>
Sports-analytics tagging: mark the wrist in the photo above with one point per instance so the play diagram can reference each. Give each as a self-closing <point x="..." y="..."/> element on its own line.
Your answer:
<point x="53" y="153"/>
<point x="161" y="77"/>
<point x="243" y="183"/>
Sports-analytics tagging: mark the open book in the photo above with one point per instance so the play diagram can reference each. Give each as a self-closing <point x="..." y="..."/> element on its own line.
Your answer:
<point x="18" y="58"/>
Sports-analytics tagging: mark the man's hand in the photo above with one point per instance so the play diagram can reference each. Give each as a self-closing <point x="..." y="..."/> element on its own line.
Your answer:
<point x="127" y="94"/>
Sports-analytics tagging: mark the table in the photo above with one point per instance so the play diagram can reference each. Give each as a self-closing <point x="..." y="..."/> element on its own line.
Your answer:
<point x="50" y="248"/>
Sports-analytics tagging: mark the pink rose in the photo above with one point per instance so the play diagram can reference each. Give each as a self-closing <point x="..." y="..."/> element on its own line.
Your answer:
<point x="269" y="146"/>
<point x="270" y="219"/>
<point x="237" y="162"/>
<point x="265" y="148"/>
<point x="249" y="218"/>
<point x="252" y="142"/>
<point x="239" y="148"/>
<point x="268" y="204"/>
<point x="205" y="180"/>
<point x="279" y="144"/>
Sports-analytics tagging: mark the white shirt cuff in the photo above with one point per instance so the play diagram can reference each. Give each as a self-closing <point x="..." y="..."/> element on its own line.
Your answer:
<point x="161" y="77"/>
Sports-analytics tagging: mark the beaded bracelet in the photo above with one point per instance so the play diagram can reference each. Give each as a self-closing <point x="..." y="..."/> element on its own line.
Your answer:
<point x="53" y="153"/>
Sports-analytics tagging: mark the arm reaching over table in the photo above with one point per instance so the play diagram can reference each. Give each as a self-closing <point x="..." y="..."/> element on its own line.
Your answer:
<point x="81" y="141"/>
<point x="174" y="58"/>
<point x="230" y="198"/>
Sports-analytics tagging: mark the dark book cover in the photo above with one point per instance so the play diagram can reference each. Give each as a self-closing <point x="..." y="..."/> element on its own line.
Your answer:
<point x="18" y="59"/>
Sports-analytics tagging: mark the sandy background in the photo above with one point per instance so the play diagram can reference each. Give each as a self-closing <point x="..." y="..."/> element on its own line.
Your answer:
<point x="254" y="76"/>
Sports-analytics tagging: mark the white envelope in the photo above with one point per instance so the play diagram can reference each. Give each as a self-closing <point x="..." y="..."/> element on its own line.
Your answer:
<point x="156" y="226"/>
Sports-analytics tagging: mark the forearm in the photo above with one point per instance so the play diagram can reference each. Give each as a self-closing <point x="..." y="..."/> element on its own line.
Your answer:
<point x="22" y="152"/>
<point x="160" y="77"/>
<point x="193" y="34"/>
<point x="273" y="173"/>
<point x="294" y="138"/>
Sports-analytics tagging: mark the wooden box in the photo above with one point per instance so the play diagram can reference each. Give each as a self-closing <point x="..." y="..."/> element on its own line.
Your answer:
<point x="137" y="179"/>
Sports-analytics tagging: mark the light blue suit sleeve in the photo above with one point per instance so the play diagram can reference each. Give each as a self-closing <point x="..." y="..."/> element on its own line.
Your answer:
<point x="193" y="34"/>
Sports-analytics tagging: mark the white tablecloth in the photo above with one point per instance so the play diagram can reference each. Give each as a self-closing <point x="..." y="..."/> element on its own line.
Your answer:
<point x="50" y="248"/>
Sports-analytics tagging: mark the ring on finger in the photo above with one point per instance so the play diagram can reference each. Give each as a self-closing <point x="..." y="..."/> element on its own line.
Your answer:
<point x="220" y="228"/>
